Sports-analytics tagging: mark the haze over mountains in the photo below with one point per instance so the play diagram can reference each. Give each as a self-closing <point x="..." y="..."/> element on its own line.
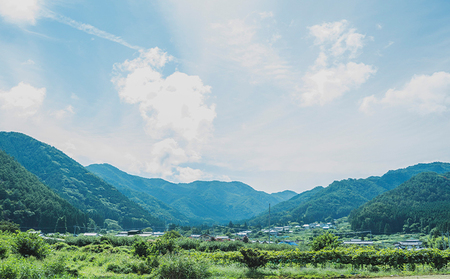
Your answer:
<point x="204" y="201"/>
<point x="102" y="195"/>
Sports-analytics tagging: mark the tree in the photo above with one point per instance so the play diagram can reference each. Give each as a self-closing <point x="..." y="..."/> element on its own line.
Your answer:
<point x="326" y="240"/>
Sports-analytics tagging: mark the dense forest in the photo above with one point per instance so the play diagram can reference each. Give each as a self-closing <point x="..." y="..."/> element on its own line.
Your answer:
<point x="341" y="197"/>
<point x="26" y="201"/>
<point x="200" y="201"/>
<point x="419" y="205"/>
<point x="74" y="183"/>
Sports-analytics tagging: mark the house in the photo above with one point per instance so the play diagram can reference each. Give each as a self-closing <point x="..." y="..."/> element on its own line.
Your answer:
<point x="158" y="233"/>
<point x="410" y="244"/>
<point x="92" y="234"/>
<point x="222" y="238"/>
<point x="358" y="242"/>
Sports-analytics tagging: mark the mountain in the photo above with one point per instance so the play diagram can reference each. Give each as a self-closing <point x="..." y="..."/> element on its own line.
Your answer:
<point x="74" y="183"/>
<point x="340" y="197"/>
<point x="200" y="201"/>
<point x="280" y="212"/>
<point x="26" y="201"/>
<point x="418" y="205"/>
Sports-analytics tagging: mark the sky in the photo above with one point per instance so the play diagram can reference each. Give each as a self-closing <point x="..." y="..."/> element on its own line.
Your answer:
<point x="281" y="95"/>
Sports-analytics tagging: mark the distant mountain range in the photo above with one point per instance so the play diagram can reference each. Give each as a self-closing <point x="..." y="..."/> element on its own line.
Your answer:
<point x="65" y="194"/>
<point x="197" y="202"/>
<point x="131" y="201"/>
<point x="341" y="197"/>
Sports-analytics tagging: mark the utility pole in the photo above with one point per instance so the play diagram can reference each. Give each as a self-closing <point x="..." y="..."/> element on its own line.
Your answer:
<point x="269" y="223"/>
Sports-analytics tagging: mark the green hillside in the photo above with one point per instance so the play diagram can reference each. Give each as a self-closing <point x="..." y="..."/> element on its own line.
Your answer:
<point x="199" y="201"/>
<point x="418" y="205"/>
<point x="26" y="201"/>
<point x="340" y="197"/>
<point x="74" y="183"/>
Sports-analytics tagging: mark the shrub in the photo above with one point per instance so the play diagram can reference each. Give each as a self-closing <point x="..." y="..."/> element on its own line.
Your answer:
<point x="187" y="243"/>
<point x="31" y="244"/>
<point x="141" y="248"/>
<point x="326" y="240"/>
<point x="253" y="258"/>
<point x="4" y="249"/>
<point x="8" y="226"/>
<point x="174" y="267"/>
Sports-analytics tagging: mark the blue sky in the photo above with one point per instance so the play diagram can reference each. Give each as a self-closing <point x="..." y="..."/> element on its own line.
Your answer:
<point x="276" y="94"/>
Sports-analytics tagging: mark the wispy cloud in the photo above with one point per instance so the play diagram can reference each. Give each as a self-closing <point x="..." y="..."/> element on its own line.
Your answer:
<point x="87" y="28"/>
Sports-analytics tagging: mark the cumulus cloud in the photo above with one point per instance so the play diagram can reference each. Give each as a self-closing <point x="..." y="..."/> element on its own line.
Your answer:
<point x="22" y="100"/>
<point x="329" y="78"/>
<point x="178" y="120"/>
<point x="20" y="11"/>
<point x="423" y="94"/>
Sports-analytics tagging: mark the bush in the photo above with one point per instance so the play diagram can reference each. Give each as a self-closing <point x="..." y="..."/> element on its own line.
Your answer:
<point x="141" y="248"/>
<point x="326" y="240"/>
<point x="174" y="267"/>
<point x="8" y="226"/>
<point x="134" y="266"/>
<point x="188" y="243"/>
<point x="253" y="258"/>
<point x="4" y="249"/>
<point x="31" y="244"/>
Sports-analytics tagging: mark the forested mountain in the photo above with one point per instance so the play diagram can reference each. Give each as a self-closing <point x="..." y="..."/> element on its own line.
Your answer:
<point x="340" y="197"/>
<point x="26" y="201"/>
<point x="418" y="205"/>
<point x="200" y="201"/>
<point x="74" y="183"/>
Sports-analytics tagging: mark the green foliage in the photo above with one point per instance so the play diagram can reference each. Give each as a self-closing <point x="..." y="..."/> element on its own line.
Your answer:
<point x="171" y="235"/>
<point x="418" y="205"/>
<point x="254" y="258"/>
<point x="326" y="240"/>
<point x="7" y="226"/>
<point x="141" y="248"/>
<point x="226" y="246"/>
<point x="188" y="243"/>
<point x="26" y="201"/>
<point x="30" y="244"/>
<point x="175" y="267"/>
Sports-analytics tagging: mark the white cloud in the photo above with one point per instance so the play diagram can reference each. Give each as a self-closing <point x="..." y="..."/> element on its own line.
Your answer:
<point x="423" y="94"/>
<point x="20" y="11"/>
<point x="337" y="38"/>
<point x="324" y="85"/>
<point x="177" y="119"/>
<point x="325" y="82"/>
<point x="188" y="174"/>
<point x="247" y="43"/>
<point x="23" y="100"/>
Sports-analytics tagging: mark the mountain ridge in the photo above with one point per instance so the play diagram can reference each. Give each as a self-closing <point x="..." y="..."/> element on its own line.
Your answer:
<point x="222" y="201"/>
